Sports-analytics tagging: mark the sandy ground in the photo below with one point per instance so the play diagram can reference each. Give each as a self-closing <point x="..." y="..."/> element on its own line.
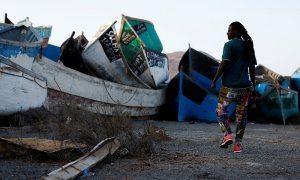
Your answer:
<point x="269" y="152"/>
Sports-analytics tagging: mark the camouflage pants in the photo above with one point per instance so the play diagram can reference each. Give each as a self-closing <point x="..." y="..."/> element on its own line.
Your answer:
<point x="239" y="96"/>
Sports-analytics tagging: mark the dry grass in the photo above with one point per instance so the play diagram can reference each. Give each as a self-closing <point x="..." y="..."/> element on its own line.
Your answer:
<point x="77" y="126"/>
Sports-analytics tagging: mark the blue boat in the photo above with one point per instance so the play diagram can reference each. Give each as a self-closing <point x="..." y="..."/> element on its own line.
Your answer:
<point x="43" y="31"/>
<point x="52" y="52"/>
<point x="21" y="89"/>
<point x="195" y="102"/>
<point x="276" y="103"/>
<point x="189" y="91"/>
<point x="201" y="67"/>
<point x="20" y="44"/>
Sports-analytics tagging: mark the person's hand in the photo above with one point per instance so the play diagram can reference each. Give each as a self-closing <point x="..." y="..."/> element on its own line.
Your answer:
<point x="213" y="87"/>
<point x="253" y="93"/>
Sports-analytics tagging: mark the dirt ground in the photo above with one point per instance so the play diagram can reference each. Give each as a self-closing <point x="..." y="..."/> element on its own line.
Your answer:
<point x="270" y="151"/>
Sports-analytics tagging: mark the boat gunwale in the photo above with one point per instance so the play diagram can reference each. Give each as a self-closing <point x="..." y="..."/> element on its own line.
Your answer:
<point x="97" y="36"/>
<point x="20" y="68"/>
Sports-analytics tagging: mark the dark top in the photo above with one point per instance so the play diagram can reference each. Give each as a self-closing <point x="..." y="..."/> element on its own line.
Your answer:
<point x="236" y="74"/>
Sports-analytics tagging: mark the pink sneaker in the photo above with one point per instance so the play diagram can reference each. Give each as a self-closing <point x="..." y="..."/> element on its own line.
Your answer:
<point x="227" y="140"/>
<point x="237" y="148"/>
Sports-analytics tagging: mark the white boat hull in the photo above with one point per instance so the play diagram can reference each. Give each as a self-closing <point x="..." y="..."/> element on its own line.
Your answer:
<point x="19" y="91"/>
<point x="95" y="94"/>
<point x="96" y="59"/>
<point x="103" y="57"/>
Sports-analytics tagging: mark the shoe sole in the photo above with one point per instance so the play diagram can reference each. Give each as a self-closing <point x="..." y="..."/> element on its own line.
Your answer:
<point x="225" y="144"/>
<point x="237" y="151"/>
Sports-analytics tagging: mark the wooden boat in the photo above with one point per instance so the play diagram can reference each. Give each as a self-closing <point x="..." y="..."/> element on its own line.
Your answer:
<point x="276" y="103"/>
<point x="67" y="87"/>
<point x="43" y="31"/>
<point x="21" y="89"/>
<point x="20" y="44"/>
<point x="264" y="74"/>
<point x="80" y="166"/>
<point x="103" y="57"/>
<point x="189" y="91"/>
<point x="70" y="53"/>
<point x="141" y="49"/>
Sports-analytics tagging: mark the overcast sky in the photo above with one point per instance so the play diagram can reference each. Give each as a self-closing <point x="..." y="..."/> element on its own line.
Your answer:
<point x="273" y="24"/>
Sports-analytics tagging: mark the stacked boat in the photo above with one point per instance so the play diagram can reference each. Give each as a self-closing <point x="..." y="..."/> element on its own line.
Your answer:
<point x="97" y="75"/>
<point x="141" y="48"/>
<point x="121" y="73"/>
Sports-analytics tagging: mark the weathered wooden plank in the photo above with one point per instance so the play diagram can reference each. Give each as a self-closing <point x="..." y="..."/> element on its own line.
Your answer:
<point x="73" y="169"/>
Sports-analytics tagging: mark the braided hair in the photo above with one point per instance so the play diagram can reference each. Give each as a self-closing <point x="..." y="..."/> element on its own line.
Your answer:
<point x="241" y="31"/>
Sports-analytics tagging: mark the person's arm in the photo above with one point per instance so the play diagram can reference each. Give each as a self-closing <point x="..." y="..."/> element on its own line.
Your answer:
<point x="252" y="74"/>
<point x="217" y="75"/>
<point x="252" y="78"/>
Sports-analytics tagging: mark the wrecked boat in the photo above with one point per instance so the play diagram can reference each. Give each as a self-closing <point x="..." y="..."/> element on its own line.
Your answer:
<point x="276" y="101"/>
<point x="103" y="58"/>
<point x="141" y="48"/>
<point x="21" y="89"/>
<point x="70" y="53"/>
<point x="73" y="169"/>
<point x="70" y="85"/>
<point x="43" y="31"/>
<point x="20" y="43"/>
<point x="193" y="99"/>
<point x="71" y="88"/>
<point x="201" y="66"/>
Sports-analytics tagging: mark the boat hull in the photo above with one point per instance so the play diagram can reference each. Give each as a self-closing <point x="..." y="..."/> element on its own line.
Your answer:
<point x="195" y="102"/>
<point x="141" y="49"/>
<point x="19" y="55"/>
<point x="278" y="105"/>
<point x="201" y="66"/>
<point x="20" y="91"/>
<point x="43" y="31"/>
<point x="103" y="58"/>
<point x="58" y="101"/>
<point x="99" y="92"/>
<point x="20" y="44"/>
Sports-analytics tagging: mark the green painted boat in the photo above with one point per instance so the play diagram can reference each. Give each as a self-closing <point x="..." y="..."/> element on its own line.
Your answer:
<point x="141" y="50"/>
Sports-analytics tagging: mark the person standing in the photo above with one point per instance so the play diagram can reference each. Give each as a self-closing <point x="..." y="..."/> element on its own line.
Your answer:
<point x="237" y="69"/>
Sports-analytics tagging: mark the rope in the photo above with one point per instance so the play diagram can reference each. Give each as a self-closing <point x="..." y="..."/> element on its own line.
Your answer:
<point x="277" y="87"/>
<point x="23" y="75"/>
<point x="57" y="84"/>
<point x="117" y="102"/>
